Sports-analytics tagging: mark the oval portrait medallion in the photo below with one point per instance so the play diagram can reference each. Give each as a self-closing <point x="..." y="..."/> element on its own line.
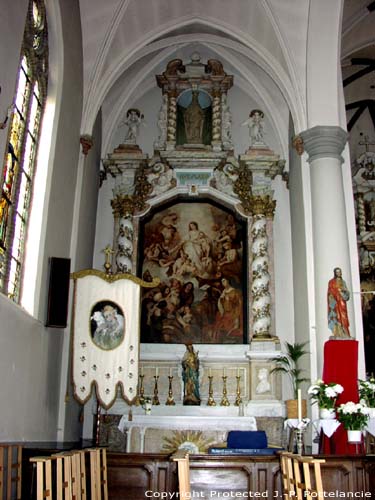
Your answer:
<point x="107" y="325"/>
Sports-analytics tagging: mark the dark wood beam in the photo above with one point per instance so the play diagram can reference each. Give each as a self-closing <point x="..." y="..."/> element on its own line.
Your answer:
<point x="355" y="117"/>
<point x="357" y="104"/>
<point x="359" y="74"/>
<point x="363" y="61"/>
<point x="371" y="108"/>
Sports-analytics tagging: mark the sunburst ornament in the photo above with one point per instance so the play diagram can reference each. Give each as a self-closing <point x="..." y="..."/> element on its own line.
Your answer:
<point x="191" y="441"/>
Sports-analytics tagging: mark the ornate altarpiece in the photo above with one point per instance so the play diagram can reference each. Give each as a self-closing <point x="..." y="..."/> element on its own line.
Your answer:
<point x="194" y="167"/>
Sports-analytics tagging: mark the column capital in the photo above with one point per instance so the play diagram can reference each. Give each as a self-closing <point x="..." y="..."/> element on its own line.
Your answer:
<point x="324" y="141"/>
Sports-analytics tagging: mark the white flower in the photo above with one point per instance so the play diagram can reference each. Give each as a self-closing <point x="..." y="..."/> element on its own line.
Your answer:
<point x="349" y="407"/>
<point x="330" y="392"/>
<point x="338" y="388"/>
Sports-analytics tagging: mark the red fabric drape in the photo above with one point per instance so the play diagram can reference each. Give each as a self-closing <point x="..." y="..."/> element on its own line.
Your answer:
<point x="341" y="366"/>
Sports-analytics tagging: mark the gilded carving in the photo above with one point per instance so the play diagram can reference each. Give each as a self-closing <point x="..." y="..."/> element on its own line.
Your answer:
<point x="111" y="278"/>
<point x="242" y="188"/>
<point x="127" y="204"/>
<point x="262" y="205"/>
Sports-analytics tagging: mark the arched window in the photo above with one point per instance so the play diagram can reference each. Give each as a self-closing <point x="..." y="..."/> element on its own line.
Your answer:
<point x="20" y="157"/>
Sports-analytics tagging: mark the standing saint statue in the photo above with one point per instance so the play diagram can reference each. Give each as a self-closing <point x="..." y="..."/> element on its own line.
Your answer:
<point x="190" y="376"/>
<point x="337" y="297"/>
<point x="255" y="124"/>
<point x="193" y="120"/>
<point x="134" y="119"/>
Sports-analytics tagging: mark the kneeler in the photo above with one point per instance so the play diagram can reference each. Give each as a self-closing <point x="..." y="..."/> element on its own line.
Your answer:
<point x="341" y="366"/>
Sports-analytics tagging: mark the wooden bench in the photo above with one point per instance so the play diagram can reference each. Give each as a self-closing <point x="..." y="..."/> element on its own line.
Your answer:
<point x="10" y="471"/>
<point x="301" y="476"/>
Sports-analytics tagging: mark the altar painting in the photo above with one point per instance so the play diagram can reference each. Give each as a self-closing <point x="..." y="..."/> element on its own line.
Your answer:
<point x="197" y="252"/>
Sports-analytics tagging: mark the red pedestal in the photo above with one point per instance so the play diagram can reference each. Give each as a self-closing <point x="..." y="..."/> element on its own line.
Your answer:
<point x="341" y="366"/>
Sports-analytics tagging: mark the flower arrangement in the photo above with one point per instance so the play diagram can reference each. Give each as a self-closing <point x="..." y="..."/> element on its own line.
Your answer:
<point x="325" y="394"/>
<point x="366" y="389"/>
<point x="353" y="416"/>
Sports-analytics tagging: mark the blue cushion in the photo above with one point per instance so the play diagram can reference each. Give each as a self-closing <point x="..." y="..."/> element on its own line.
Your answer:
<point x="247" y="439"/>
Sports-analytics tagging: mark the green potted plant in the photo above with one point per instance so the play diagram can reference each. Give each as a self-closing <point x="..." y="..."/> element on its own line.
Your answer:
<point x="325" y="395"/>
<point x="366" y="389"/>
<point x="289" y="363"/>
<point x="354" y="418"/>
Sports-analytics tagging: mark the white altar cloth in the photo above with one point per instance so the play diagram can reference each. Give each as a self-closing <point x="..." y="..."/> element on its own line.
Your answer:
<point x="201" y="423"/>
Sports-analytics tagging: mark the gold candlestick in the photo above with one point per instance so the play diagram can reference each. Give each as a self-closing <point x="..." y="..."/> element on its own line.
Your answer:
<point x="224" y="399"/>
<point x="155" y="399"/>
<point x="210" y="401"/>
<point x="238" y="392"/>
<point x="170" y="400"/>
<point x="141" y="397"/>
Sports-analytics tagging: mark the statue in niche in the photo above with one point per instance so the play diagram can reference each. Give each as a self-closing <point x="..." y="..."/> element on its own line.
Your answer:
<point x="256" y="128"/>
<point x="190" y="376"/>
<point x="133" y="121"/>
<point x="337" y="297"/>
<point x="193" y="120"/>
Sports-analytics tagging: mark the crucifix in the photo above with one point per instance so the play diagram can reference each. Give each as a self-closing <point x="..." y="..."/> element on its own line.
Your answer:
<point x="366" y="142"/>
<point x="108" y="252"/>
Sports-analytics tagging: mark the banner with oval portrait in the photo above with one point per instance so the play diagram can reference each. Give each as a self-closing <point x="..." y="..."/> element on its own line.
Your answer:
<point x="106" y="323"/>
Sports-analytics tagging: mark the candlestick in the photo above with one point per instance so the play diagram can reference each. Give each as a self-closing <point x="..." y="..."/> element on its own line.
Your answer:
<point x="170" y="399"/>
<point x="299" y="403"/>
<point x="210" y="401"/>
<point x="155" y="399"/>
<point x="141" y="398"/>
<point x="238" y="392"/>
<point x="224" y="399"/>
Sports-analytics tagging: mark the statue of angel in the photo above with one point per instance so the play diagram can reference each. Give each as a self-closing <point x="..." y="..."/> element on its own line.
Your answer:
<point x="256" y="127"/>
<point x="134" y="119"/>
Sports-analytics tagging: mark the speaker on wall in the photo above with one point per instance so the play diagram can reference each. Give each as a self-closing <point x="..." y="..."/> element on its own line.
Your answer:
<point x="58" y="292"/>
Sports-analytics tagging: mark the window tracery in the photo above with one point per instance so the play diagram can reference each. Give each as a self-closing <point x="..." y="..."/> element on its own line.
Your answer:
<point x="21" y="152"/>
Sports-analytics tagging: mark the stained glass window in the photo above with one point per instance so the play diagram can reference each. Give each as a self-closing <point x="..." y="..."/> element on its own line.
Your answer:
<point x="20" y="157"/>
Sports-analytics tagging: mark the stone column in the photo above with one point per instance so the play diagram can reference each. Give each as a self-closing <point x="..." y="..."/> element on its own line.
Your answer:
<point x="125" y="244"/>
<point x="324" y="145"/>
<point x="216" y="120"/>
<point x="361" y="213"/>
<point x="172" y="120"/>
<point x="261" y="208"/>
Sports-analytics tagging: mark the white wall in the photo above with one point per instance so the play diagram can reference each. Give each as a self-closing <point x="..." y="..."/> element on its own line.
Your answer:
<point x="30" y="354"/>
<point x="30" y="376"/>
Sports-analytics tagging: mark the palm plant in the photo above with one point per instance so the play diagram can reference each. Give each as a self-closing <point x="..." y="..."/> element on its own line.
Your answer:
<point x="289" y="364"/>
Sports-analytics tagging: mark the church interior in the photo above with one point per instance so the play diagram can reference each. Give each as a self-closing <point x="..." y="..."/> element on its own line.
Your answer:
<point x="187" y="238"/>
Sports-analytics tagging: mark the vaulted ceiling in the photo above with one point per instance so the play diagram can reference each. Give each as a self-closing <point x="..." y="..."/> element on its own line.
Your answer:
<point x="127" y="42"/>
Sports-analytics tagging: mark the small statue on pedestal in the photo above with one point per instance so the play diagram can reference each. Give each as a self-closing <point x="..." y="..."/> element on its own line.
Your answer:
<point x="133" y="121"/>
<point x="190" y="376"/>
<point x="256" y="128"/>
<point x="337" y="297"/>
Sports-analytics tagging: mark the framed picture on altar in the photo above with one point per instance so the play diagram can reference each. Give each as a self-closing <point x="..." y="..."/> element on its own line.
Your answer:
<point x="198" y="251"/>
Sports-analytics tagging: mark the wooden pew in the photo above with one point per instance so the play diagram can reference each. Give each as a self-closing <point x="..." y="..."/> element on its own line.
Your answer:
<point x="301" y="476"/>
<point x="10" y="471"/>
